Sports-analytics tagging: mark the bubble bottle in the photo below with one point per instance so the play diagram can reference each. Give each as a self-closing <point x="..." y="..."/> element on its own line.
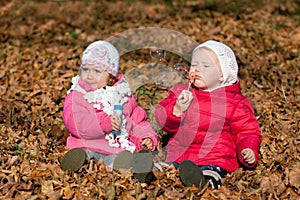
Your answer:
<point x="118" y="110"/>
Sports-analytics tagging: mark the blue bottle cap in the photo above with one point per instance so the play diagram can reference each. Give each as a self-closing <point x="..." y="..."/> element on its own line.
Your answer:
<point x="118" y="107"/>
<point x="116" y="132"/>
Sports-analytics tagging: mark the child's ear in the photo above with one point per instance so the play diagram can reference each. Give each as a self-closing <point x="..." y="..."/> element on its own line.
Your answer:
<point x="221" y="79"/>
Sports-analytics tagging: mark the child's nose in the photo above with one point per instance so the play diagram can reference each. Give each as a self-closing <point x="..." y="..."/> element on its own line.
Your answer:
<point x="197" y="70"/>
<point x="90" y="74"/>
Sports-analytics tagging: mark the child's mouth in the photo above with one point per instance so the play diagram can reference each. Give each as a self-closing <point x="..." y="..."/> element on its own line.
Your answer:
<point x="192" y="77"/>
<point x="196" y="77"/>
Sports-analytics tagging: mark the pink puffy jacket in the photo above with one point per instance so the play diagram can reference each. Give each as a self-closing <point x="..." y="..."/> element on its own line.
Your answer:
<point x="214" y="129"/>
<point x="88" y="126"/>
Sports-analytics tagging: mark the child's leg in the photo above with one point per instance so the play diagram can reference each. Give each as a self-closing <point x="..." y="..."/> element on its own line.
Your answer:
<point x="142" y="166"/>
<point x="122" y="161"/>
<point x="191" y="174"/>
<point x="175" y="164"/>
<point x="213" y="175"/>
<point x="107" y="159"/>
<point x="92" y="155"/>
<point x="76" y="157"/>
<point x="73" y="159"/>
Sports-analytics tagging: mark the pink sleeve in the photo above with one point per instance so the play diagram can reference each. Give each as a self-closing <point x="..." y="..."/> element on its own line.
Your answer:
<point x="246" y="131"/>
<point x="140" y="127"/>
<point x="81" y="119"/>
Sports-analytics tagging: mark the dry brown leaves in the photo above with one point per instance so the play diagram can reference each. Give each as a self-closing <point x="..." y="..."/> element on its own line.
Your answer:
<point x="41" y="45"/>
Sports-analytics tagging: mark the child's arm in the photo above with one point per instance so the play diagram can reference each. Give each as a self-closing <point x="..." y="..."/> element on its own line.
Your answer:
<point x="248" y="156"/>
<point x="246" y="133"/>
<point x="165" y="116"/>
<point x="138" y="125"/>
<point x="183" y="102"/>
<point x="115" y="122"/>
<point x="81" y="119"/>
<point x="147" y="143"/>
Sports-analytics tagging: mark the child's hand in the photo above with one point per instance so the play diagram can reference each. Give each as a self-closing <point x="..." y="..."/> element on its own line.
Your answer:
<point x="147" y="143"/>
<point x="248" y="155"/>
<point x="183" y="102"/>
<point x="115" y="122"/>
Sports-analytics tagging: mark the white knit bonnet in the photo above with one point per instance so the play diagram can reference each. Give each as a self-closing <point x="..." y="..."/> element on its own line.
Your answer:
<point x="102" y="54"/>
<point x="226" y="58"/>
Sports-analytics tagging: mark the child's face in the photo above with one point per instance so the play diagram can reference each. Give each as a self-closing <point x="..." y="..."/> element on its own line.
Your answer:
<point x="95" y="76"/>
<point x="206" y="69"/>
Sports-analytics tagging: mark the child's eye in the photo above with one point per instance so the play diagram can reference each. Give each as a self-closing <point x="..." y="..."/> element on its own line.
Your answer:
<point x="98" y="71"/>
<point x="193" y="67"/>
<point x="84" y="69"/>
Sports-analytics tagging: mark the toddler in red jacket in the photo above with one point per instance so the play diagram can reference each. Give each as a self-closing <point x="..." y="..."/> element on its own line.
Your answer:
<point x="211" y="125"/>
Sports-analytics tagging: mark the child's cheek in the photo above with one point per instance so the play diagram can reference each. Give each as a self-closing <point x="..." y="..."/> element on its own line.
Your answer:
<point x="200" y="84"/>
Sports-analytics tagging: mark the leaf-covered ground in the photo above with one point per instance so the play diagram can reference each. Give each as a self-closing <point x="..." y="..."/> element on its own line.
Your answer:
<point x="41" y="45"/>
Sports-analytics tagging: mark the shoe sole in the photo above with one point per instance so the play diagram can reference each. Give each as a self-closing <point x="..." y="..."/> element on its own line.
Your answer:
<point x="142" y="162"/>
<point x="142" y="165"/>
<point x="73" y="160"/>
<point x="190" y="174"/>
<point x="123" y="161"/>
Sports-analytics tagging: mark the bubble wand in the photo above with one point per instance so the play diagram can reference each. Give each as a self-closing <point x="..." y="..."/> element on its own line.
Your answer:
<point x="191" y="80"/>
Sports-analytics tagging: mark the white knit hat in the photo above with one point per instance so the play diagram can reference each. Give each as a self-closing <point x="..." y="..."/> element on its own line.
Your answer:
<point x="102" y="54"/>
<point x="226" y="58"/>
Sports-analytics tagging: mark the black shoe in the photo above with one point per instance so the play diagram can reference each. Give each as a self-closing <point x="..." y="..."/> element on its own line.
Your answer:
<point x="142" y="165"/>
<point x="146" y="177"/>
<point x="73" y="160"/>
<point x="123" y="161"/>
<point x="191" y="174"/>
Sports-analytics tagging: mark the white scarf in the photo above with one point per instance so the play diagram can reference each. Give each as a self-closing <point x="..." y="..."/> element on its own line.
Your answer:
<point x="108" y="97"/>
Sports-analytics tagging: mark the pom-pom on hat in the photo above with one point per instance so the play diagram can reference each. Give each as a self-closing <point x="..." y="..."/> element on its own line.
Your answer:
<point x="102" y="54"/>
<point x="226" y="58"/>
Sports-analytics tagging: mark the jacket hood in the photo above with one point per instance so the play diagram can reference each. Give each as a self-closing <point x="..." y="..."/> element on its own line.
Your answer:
<point x="233" y="88"/>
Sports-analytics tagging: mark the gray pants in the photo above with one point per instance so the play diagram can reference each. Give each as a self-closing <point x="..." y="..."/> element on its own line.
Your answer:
<point x="108" y="160"/>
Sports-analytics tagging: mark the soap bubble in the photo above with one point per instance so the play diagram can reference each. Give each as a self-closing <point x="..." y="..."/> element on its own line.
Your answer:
<point x="157" y="53"/>
<point x="182" y="45"/>
<point x="179" y="66"/>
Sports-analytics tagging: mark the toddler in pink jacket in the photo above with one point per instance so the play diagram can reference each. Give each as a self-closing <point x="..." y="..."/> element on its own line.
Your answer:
<point x="88" y="114"/>
<point x="211" y="125"/>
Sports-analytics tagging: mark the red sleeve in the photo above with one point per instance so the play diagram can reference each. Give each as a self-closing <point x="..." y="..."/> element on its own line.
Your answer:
<point x="246" y="131"/>
<point x="164" y="114"/>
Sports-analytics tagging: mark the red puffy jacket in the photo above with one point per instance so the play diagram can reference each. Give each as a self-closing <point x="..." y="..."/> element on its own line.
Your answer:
<point x="214" y="129"/>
